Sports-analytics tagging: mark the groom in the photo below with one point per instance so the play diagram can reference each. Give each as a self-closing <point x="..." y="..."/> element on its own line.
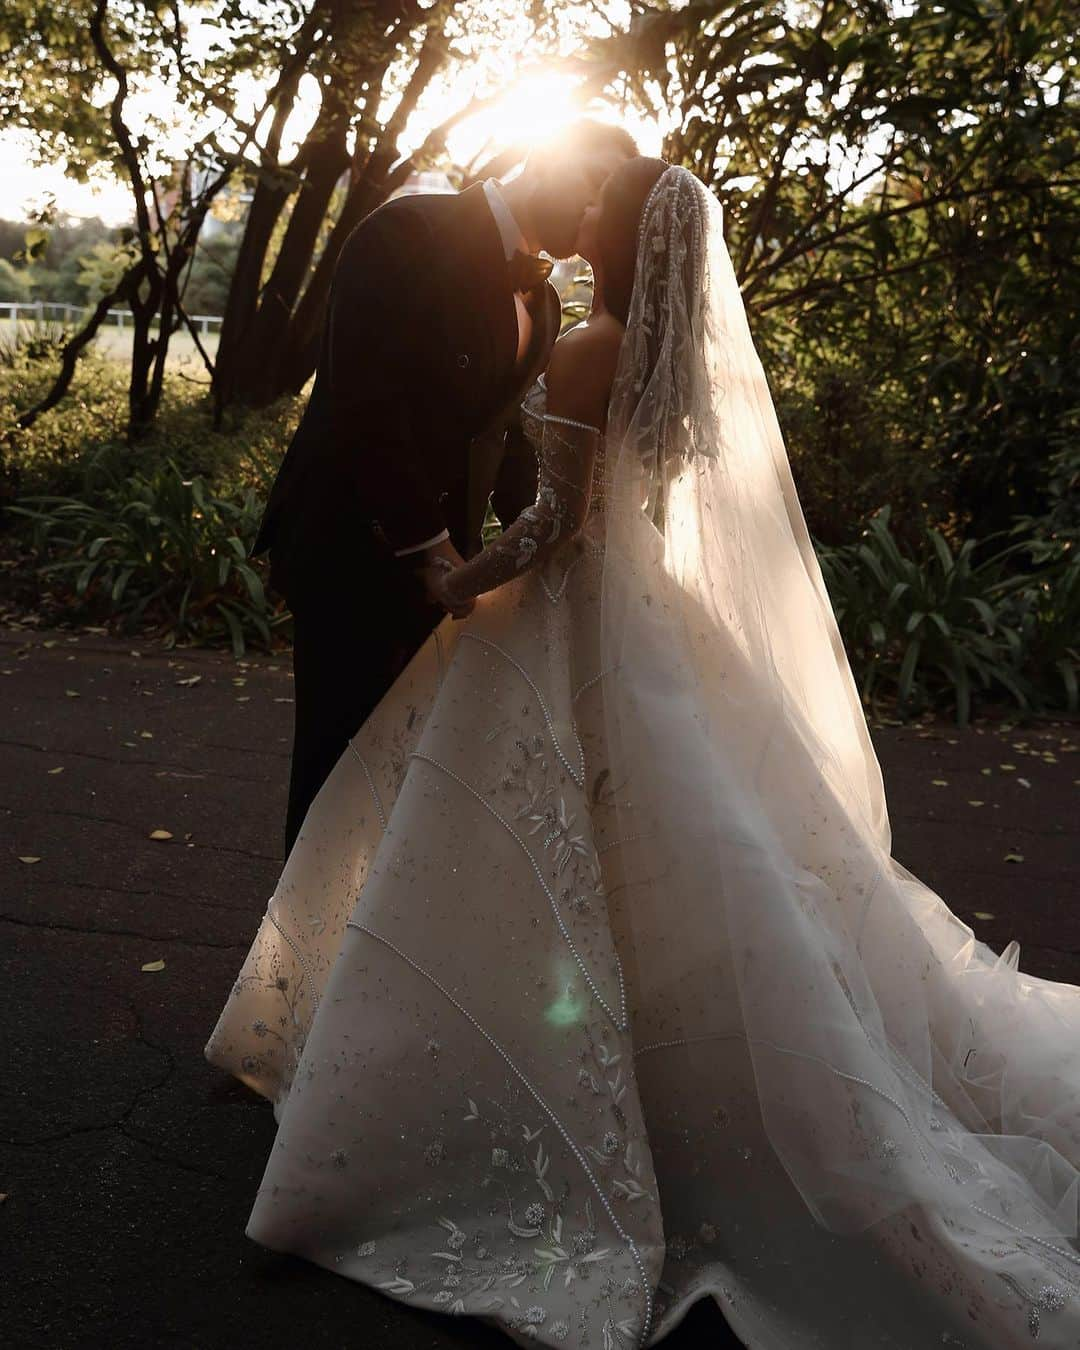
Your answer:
<point x="439" y="319"/>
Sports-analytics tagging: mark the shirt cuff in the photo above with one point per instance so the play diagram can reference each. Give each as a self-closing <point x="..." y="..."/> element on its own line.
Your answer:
<point x="415" y="548"/>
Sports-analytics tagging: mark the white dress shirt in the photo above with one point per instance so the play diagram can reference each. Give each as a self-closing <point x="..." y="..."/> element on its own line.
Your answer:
<point x="512" y="239"/>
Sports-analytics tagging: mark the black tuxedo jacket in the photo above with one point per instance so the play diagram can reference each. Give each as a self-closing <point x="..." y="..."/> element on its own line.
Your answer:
<point x="404" y="432"/>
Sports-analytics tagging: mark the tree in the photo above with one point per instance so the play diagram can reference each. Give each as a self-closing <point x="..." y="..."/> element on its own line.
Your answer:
<point x="901" y="205"/>
<point x="381" y="60"/>
<point x="60" y="66"/>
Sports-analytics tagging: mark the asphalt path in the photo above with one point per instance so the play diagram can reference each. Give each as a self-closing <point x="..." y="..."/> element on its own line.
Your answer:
<point x="128" y="1165"/>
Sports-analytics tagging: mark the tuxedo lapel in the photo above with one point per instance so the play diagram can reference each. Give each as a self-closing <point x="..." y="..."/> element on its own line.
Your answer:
<point x="479" y="334"/>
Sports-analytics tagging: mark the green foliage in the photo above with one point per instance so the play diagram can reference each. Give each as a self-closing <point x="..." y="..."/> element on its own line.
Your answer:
<point x="940" y="626"/>
<point x="206" y="288"/>
<point x="47" y="457"/>
<point x="14" y="282"/>
<point x="166" y="526"/>
<point x="1047" y="616"/>
<point x="102" y="267"/>
<point x="154" y="548"/>
<point x="55" y="455"/>
<point x="902" y="208"/>
<point x="55" y="274"/>
<point x="1059" y="522"/>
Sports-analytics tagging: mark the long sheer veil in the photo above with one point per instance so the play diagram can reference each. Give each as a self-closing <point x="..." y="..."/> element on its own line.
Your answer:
<point x="896" y="1058"/>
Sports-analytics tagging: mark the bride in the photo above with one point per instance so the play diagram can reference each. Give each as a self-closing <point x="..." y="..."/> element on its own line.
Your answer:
<point x="590" y="987"/>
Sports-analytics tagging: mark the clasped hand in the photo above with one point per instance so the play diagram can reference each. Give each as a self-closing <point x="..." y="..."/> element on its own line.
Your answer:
<point x="440" y="562"/>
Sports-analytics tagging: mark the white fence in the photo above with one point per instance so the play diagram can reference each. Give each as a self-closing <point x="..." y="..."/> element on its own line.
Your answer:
<point x="38" y="310"/>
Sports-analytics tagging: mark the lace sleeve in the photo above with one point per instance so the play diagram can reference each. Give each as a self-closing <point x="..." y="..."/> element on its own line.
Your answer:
<point x="562" y="502"/>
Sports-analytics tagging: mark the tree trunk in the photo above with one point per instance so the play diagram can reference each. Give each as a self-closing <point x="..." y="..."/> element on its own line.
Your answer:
<point x="269" y="344"/>
<point x="271" y="194"/>
<point x="302" y="349"/>
<point x="143" y="351"/>
<point x="267" y="338"/>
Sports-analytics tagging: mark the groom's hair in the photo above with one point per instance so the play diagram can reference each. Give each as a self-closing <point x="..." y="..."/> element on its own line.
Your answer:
<point x="580" y="137"/>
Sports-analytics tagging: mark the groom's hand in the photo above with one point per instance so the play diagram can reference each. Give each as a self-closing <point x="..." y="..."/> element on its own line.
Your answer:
<point x="431" y="569"/>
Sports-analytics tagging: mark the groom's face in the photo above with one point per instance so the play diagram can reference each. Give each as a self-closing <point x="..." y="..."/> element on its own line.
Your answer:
<point x="564" y="191"/>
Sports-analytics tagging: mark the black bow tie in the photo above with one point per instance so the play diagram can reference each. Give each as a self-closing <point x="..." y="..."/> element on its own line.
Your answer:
<point x="526" y="270"/>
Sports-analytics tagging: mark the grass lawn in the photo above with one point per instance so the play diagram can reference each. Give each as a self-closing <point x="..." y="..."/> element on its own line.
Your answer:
<point x="115" y="343"/>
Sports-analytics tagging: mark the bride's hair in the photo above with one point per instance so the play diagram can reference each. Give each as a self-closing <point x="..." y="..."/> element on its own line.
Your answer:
<point x="621" y="203"/>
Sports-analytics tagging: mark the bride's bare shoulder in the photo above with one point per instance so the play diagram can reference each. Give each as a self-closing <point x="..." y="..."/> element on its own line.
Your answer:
<point x="582" y="368"/>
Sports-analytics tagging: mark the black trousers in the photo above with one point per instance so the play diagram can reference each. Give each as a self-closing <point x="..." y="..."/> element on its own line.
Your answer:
<point x="348" y="648"/>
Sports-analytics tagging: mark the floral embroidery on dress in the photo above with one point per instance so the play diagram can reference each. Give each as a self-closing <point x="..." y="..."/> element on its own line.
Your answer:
<point x="477" y="1281"/>
<point x="545" y="807"/>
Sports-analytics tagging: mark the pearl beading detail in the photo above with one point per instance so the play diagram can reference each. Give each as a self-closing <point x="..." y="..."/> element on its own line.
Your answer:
<point x="621" y="1022"/>
<point x="577" y="776"/>
<point x="570" y="422"/>
<point x="577" y="1152"/>
<point x="556" y="596"/>
<point x="299" y="956"/>
<point x="371" y="784"/>
<point x="590" y="682"/>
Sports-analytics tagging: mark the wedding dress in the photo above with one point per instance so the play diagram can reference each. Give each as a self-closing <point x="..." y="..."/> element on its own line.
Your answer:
<point x="590" y="987"/>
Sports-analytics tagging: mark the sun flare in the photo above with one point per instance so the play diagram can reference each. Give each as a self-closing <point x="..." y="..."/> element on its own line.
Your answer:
<point x="533" y="107"/>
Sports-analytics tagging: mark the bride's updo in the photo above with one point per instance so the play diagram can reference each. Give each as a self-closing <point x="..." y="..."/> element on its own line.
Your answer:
<point x="621" y="202"/>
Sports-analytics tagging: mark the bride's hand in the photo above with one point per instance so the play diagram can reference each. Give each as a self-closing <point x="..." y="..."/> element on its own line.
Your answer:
<point x="435" y="577"/>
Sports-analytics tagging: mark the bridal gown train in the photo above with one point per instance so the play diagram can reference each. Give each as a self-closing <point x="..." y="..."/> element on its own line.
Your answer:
<point x="486" y="1105"/>
<point x="591" y="988"/>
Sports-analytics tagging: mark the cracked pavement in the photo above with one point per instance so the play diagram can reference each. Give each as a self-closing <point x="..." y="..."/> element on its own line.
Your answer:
<point x="129" y="1165"/>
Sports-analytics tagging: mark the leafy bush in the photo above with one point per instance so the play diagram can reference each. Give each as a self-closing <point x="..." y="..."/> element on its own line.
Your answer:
<point x="155" y="548"/>
<point x="55" y="456"/>
<point x="1047" y="615"/>
<point x="1060" y="522"/>
<point x="14" y="284"/>
<point x="946" y="625"/>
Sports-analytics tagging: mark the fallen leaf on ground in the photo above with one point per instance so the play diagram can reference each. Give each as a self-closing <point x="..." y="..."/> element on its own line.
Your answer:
<point x="59" y="769"/>
<point x="147" y="735"/>
<point x="941" y="782"/>
<point x="191" y="679"/>
<point x="72" y="693"/>
<point x="153" y="965"/>
<point x="1014" y="857"/>
<point x="28" y="858"/>
<point x="987" y="772"/>
<point x="160" y="834"/>
<point x="1023" y="782"/>
<point x="982" y="914"/>
<point x="973" y="803"/>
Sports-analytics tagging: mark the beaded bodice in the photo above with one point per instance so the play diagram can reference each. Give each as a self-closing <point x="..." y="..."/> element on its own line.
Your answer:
<point x="534" y="419"/>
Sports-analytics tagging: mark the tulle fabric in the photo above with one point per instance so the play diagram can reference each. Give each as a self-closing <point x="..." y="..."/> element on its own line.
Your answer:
<point x="897" y="1060"/>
